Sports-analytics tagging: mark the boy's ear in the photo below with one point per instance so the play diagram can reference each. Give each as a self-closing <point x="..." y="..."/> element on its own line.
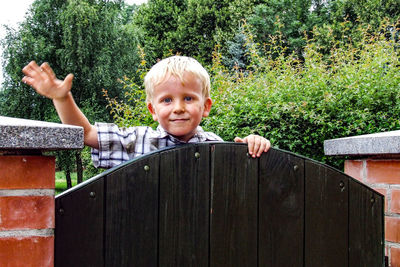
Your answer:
<point x="207" y="107"/>
<point x="152" y="111"/>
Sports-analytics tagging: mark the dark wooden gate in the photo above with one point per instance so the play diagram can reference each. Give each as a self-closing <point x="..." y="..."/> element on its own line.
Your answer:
<point x="211" y="205"/>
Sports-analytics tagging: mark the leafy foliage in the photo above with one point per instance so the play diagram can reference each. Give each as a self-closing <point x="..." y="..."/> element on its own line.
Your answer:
<point x="298" y="72"/>
<point x="345" y="88"/>
<point x="86" y="38"/>
<point x="132" y="109"/>
<point x="188" y="27"/>
<point x="157" y="20"/>
<point x="352" y="91"/>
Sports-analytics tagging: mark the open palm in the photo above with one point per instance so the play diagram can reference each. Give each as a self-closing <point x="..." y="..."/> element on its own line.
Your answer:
<point x="45" y="82"/>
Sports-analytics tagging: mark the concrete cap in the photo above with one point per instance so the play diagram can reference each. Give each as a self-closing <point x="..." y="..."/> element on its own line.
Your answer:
<point x="369" y="144"/>
<point x="38" y="135"/>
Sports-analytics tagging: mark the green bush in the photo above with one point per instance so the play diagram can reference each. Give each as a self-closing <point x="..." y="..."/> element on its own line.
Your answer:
<point x="352" y="90"/>
<point x="347" y="88"/>
<point x="132" y="110"/>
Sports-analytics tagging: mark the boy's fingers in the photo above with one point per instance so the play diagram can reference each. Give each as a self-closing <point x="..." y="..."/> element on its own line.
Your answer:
<point x="251" y="144"/>
<point x="29" y="81"/>
<point x="257" y="146"/>
<point x="268" y="146"/>
<point x="32" y="69"/>
<point x="27" y="70"/>
<point x="48" y="70"/>
<point x="261" y="147"/>
<point x="264" y="147"/>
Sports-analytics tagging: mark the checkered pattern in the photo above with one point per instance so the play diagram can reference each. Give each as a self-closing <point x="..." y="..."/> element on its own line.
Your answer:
<point x="117" y="145"/>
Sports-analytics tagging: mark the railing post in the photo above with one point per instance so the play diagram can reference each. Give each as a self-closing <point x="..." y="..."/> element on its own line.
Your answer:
<point x="374" y="160"/>
<point x="27" y="181"/>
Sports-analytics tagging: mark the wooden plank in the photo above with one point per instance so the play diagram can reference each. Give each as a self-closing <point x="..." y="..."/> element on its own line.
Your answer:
<point x="365" y="226"/>
<point x="326" y="216"/>
<point x="281" y="210"/>
<point x="184" y="206"/>
<point x="234" y="201"/>
<point x="79" y="227"/>
<point x="132" y="214"/>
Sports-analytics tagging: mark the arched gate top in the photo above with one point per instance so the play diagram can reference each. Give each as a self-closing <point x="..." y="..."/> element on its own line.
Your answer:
<point x="210" y="204"/>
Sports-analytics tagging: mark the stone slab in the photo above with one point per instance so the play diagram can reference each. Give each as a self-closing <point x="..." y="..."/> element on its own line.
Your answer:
<point x="387" y="143"/>
<point x="38" y="135"/>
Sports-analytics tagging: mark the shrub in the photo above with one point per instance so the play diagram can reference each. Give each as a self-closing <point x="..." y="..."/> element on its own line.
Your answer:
<point x="132" y="110"/>
<point x="352" y="90"/>
<point x="348" y="88"/>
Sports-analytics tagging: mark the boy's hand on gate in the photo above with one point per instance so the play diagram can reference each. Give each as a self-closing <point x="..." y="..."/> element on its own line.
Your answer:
<point x="45" y="82"/>
<point x="256" y="144"/>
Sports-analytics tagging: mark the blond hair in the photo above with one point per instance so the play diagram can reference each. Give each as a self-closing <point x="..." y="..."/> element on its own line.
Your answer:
<point x="176" y="66"/>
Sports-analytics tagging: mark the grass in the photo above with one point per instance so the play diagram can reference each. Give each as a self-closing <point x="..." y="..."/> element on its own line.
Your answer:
<point x="61" y="182"/>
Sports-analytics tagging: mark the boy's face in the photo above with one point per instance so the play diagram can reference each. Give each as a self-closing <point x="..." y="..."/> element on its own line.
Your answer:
<point x="179" y="107"/>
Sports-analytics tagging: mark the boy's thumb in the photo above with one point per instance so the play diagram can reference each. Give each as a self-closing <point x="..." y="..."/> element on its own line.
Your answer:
<point x="238" y="140"/>
<point x="68" y="79"/>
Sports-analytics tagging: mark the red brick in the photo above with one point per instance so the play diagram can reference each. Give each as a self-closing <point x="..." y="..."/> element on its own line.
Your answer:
<point x="383" y="171"/>
<point x="27" y="212"/>
<point x="354" y="168"/>
<point x="23" y="172"/>
<point x="394" y="257"/>
<point x="31" y="251"/>
<point x="395" y="202"/>
<point x="385" y="193"/>
<point x="392" y="229"/>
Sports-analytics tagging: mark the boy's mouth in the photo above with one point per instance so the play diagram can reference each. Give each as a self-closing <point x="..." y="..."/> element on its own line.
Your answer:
<point x="179" y="120"/>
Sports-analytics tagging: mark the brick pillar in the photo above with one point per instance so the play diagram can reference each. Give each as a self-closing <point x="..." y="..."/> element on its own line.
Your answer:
<point x="375" y="162"/>
<point x="27" y="181"/>
<point x="383" y="175"/>
<point x="27" y="210"/>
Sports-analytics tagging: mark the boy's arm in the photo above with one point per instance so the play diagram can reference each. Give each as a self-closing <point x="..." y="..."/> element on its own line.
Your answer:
<point x="256" y="144"/>
<point x="44" y="81"/>
<point x="69" y="113"/>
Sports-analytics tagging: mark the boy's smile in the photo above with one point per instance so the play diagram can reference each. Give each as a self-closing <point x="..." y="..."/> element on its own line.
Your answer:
<point x="179" y="106"/>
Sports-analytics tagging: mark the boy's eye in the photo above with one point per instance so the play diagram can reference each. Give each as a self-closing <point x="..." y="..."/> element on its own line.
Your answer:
<point x="188" y="98"/>
<point x="167" y="100"/>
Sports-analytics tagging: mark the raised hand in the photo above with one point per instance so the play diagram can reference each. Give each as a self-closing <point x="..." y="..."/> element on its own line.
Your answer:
<point x="256" y="144"/>
<point x="45" y="82"/>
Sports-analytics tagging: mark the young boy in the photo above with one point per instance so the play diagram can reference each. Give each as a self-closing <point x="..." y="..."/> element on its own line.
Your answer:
<point x="178" y="97"/>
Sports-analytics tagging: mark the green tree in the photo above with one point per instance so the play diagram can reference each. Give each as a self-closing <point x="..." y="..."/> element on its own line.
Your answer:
<point x="157" y="20"/>
<point x="345" y="16"/>
<point x="189" y="27"/>
<point x="97" y="48"/>
<point x="87" y="38"/>
<point x="291" y="20"/>
<point x="366" y="11"/>
<point x="36" y="38"/>
<point x="207" y="23"/>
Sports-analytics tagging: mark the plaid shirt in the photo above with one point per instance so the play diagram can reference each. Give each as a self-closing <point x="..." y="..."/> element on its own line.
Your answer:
<point x="117" y="145"/>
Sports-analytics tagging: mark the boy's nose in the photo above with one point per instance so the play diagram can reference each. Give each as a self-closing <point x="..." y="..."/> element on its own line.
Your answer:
<point x="179" y="107"/>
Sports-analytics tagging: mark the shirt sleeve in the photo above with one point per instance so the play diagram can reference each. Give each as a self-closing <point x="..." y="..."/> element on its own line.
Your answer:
<point x="113" y="145"/>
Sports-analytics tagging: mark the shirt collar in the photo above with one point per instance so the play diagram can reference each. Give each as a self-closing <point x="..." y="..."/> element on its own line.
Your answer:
<point x="199" y="136"/>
